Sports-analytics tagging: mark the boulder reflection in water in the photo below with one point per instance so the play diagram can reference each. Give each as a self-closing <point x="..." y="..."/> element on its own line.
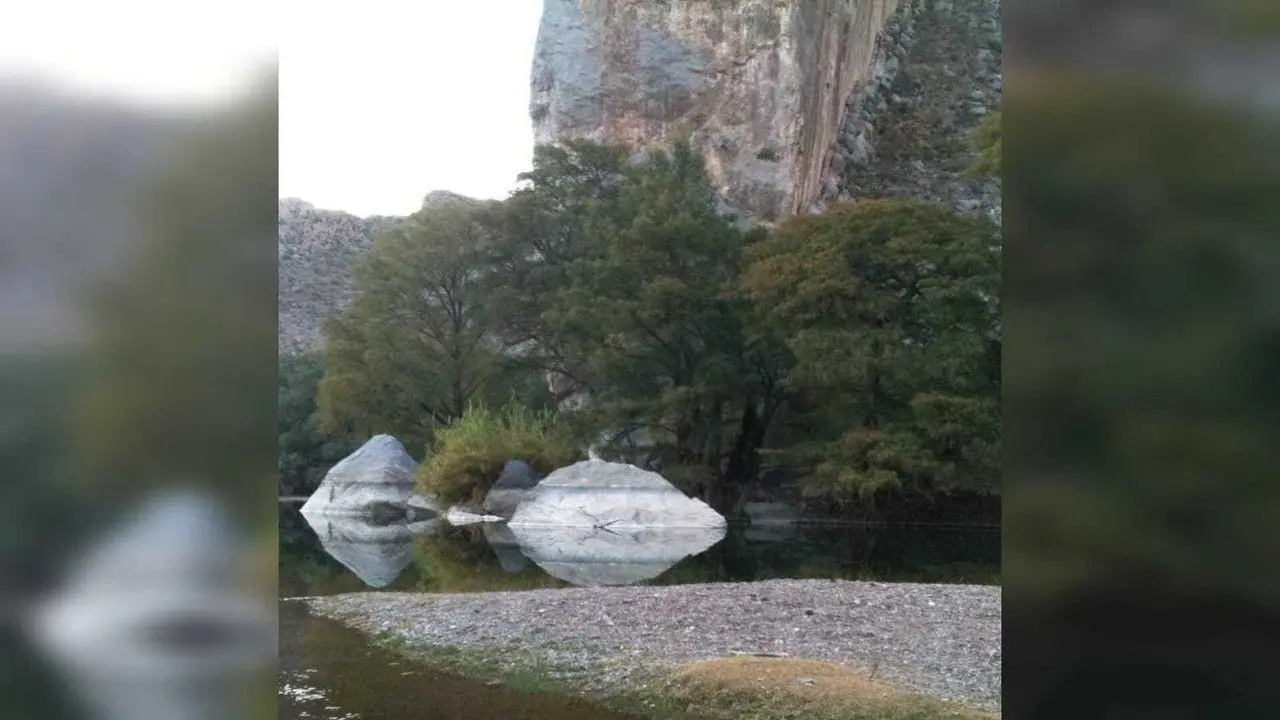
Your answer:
<point x="376" y="552"/>
<point x="596" y="556"/>
<point x="506" y="547"/>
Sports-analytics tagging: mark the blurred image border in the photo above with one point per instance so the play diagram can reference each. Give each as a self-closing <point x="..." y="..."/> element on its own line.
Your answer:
<point x="1140" y="173"/>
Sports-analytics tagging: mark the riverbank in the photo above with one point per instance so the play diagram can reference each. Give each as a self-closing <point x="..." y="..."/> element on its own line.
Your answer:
<point x="710" y="649"/>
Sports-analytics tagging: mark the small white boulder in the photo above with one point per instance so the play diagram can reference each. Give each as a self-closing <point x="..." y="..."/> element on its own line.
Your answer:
<point x="460" y="516"/>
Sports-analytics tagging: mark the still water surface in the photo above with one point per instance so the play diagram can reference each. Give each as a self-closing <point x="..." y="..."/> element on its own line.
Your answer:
<point x="330" y="672"/>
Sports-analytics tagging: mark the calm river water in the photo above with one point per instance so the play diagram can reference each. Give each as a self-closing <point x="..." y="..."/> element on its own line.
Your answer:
<point x="328" y="672"/>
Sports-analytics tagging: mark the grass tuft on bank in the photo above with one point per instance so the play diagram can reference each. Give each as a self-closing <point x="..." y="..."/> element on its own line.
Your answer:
<point x="736" y="688"/>
<point x="755" y="688"/>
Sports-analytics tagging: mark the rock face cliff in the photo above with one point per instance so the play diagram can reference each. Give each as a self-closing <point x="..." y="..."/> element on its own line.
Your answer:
<point x="765" y="89"/>
<point x="316" y="248"/>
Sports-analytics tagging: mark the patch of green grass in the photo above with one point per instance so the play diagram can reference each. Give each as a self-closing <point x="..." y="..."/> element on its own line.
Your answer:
<point x="390" y="640"/>
<point x="518" y="669"/>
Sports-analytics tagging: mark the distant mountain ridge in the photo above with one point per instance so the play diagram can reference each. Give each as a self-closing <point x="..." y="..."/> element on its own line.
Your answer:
<point x="316" y="250"/>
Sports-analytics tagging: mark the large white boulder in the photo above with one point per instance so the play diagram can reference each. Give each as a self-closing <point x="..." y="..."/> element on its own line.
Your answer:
<point x="612" y="496"/>
<point x="378" y="475"/>
<point x="591" y="556"/>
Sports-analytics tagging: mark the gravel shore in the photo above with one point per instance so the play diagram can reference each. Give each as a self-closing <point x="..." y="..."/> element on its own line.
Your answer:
<point x="941" y="640"/>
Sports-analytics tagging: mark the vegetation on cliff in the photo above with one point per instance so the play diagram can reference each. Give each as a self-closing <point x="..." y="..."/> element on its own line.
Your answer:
<point x="987" y="140"/>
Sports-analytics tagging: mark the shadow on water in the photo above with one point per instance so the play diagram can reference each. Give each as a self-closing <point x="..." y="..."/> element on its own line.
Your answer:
<point x="923" y="555"/>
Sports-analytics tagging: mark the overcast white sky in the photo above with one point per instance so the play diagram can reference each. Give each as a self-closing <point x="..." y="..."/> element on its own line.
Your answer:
<point x="381" y="101"/>
<point x="155" y="51"/>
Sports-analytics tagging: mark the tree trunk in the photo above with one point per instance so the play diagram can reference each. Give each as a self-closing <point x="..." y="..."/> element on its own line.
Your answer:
<point x="683" y="433"/>
<point x="744" y="466"/>
<point x="740" y="504"/>
<point x="714" y="493"/>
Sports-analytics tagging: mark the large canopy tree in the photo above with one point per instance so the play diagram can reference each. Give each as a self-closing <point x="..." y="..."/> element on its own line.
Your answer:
<point x="666" y="344"/>
<point x="613" y="271"/>
<point x="890" y="309"/>
<point x="418" y="343"/>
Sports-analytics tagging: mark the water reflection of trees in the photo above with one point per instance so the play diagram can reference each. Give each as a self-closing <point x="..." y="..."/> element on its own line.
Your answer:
<point x="460" y="559"/>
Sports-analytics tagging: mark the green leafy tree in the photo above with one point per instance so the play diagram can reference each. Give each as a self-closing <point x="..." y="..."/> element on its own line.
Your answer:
<point x="658" y="341"/>
<point x="539" y="232"/>
<point x="890" y="310"/>
<point x="306" y="450"/>
<point x="417" y="344"/>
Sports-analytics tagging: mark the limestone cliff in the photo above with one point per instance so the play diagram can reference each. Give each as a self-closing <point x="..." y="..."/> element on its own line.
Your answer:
<point x="316" y="249"/>
<point x="762" y="87"/>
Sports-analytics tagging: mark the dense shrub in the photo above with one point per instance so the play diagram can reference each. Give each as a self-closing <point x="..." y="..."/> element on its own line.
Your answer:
<point x="466" y="456"/>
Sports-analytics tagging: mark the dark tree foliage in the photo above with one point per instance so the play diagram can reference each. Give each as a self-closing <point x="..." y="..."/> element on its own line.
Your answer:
<point x="615" y="274"/>
<point x="890" y="309"/>
<point x="539" y="233"/>
<point x="419" y="342"/>
<point x="858" y="348"/>
<point x="306" y="450"/>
